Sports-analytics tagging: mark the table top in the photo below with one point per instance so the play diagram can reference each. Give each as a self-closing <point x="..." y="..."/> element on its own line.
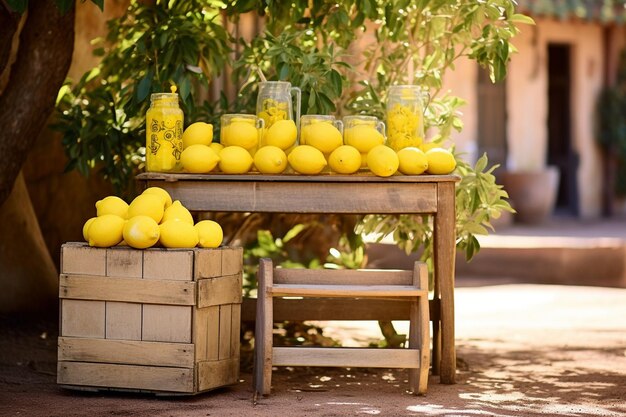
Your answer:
<point x="359" y="177"/>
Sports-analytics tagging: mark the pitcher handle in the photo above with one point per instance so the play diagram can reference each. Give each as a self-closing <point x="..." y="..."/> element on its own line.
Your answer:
<point x="298" y="94"/>
<point x="339" y="125"/>
<point x="382" y="128"/>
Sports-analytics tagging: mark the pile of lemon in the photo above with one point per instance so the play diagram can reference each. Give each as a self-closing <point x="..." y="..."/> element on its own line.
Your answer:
<point x="150" y="219"/>
<point x="275" y="150"/>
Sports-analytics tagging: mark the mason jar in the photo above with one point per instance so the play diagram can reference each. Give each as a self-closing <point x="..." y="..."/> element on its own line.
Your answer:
<point x="405" y="116"/>
<point x="164" y="133"/>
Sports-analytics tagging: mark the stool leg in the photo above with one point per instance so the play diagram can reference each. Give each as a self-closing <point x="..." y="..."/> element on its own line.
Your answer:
<point x="424" y="331"/>
<point x="414" y="343"/>
<point x="263" y="329"/>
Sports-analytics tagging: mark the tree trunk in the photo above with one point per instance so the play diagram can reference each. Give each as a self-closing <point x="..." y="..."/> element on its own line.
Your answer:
<point x="28" y="278"/>
<point x="42" y="59"/>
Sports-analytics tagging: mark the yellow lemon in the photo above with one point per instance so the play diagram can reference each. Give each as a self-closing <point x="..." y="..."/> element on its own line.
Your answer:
<point x="112" y="205"/>
<point x="282" y="134"/>
<point x="412" y="161"/>
<point x="147" y="205"/>
<point x="177" y="212"/>
<point x="363" y="137"/>
<point x="165" y="196"/>
<point x="364" y="160"/>
<point x="383" y="161"/>
<point x="141" y="232"/>
<point x="426" y="146"/>
<point x="199" y="159"/>
<point x="86" y="228"/>
<point x="243" y="134"/>
<point x="323" y="136"/>
<point x="235" y="160"/>
<point x="106" y="231"/>
<point x="306" y="159"/>
<point x="270" y="160"/>
<point x="178" y="234"/>
<point x="217" y="147"/>
<point x="210" y="234"/>
<point x="198" y="133"/>
<point x="440" y="161"/>
<point x="345" y="159"/>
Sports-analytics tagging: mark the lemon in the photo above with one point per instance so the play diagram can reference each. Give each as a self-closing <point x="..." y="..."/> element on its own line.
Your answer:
<point x="199" y="159"/>
<point x="177" y="212"/>
<point x="141" y="232"/>
<point x="345" y="159"/>
<point x="270" y="160"/>
<point x="426" y="146"/>
<point x="86" y="228"/>
<point x="178" y="234"/>
<point x="112" y="205"/>
<point x="282" y="134"/>
<point x="306" y="159"/>
<point x="217" y="147"/>
<point x="243" y="134"/>
<point x="412" y="161"/>
<point x="198" y="133"/>
<point x="440" y="161"/>
<point x="210" y="234"/>
<point x="165" y="196"/>
<point x="383" y="161"/>
<point x="106" y="231"/>
<point x="323" y="136"/>
<point x="147" y="205"/>
<point x="363" y="159"/>
<point x="363" y="137"/>
<point x="235" y="160"/>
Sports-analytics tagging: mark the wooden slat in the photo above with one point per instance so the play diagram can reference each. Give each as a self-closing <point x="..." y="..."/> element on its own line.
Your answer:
<point x="235" y="330"/>
<point x="213" y="333"/>
<point x="79" y="258"/>
<point x="335" y="309"/>
<point x="342" y="277"/>
<point x="123" y="320"/>
<point x="200" y="327"/>
<point x="124" y="262"/>
<point x="219" y="290"/>
<point x="347" y="290"/>
<point x="154" y="378"/>
<point x="232" y="260"/>
<point x="346" y="357"/>
<point x="225" y="329"/>
<point x="83" y="318"/>
<point x="88" y="287"/>
<point x="208" y="264"/>
<point x="444" y="254"/>
<point x="168" y="264"/>
<point x="163" y="323"/>
<point x="331" y="197"/>
<point x="160" y="178"/>
<point x="126" y="352"/>
<point x="263" y="330"/>
<point x="213" y="374"/>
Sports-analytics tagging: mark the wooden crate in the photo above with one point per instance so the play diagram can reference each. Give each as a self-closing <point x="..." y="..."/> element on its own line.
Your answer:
<point x="158" y="320"/>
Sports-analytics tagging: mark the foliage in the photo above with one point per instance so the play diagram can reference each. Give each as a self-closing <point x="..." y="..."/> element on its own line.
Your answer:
<point x="160" y="43"/>
<point x="20" y="6"/>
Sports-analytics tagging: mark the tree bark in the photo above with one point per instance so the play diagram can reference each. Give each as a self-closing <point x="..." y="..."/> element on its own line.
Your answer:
<point x="44" y="54"/>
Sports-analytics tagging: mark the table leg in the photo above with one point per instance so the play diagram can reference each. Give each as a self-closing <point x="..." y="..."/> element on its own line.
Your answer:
<point x="444" y="253"/>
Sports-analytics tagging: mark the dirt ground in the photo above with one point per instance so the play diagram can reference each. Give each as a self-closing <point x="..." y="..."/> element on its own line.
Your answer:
<point x="523" y="350"/>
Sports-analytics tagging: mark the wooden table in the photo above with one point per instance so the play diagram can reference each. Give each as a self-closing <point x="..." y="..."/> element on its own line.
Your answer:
<point x="347" y="194"/>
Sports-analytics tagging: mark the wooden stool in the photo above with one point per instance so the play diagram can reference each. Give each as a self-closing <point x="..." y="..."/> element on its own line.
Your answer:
<point x="394" y="284"/>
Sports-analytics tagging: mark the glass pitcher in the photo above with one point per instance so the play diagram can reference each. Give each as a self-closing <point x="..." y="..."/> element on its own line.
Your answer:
<point x="405" y="116"/>
<point x="309" y="120"/>
<point x="164" y="133"/>
<point x="275" y="102"/>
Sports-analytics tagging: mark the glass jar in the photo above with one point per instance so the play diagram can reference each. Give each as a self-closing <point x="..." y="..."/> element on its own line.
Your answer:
<point x="311" y="119"/>
<point x="241" y="130"/>
<point x="275" y="102"/>
<point x="405" y="116"/>
<point x="164" y="133"/>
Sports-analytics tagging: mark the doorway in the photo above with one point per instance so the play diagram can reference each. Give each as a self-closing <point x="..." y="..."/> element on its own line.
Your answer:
<point x="492" y="119"/>
<point x="560" y="150"/>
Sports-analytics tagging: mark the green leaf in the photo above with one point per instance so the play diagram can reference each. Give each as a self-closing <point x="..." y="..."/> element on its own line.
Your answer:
<point x="18" y="6"/>
<point x="335" y="79"/>
<point x="520" y="18"/>
<point x="185" y="88"/>
<point x="293" y="232"/>
<point x="144" y="86"/>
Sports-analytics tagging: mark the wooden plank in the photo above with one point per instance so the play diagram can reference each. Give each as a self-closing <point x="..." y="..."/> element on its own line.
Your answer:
<point x="168" y="264"/>
<point x="213" y="374"/>
<point x="444" y="258"/>
<point x="200" y="327"/>
<point x="263" y="330"/>
<point x="219" y="290"/>
<point x="163" y="379"/>
<point x="224" y="348"/>
<point x="166" y="323"/>
<point x="82" y="318"/>
<point x="347" y="290"/>
<point x="331" y="197"/>
<point x="346" y="357"/>
<point x="78" y="258"/>
<point x="128" y="352"/>
<point x="232" y="260"/>
<point x="123" y="321"/>
<point x="342" y="276"/>
<point x="235" y="331"/>
<point x="334" y="309"/>
<point x="364" y="177"/>
<point x="423" y="319"/>
<point x="213" y="333"/>
<point x="123" y="262"/>
<point x="87" y="287"/>
<point x="207" y="264"/>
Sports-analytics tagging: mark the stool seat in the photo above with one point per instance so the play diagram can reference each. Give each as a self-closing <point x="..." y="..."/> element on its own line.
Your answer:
<point x="394" y="284"/>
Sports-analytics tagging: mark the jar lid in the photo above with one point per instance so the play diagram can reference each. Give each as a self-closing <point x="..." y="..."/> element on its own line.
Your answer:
<point x="165" y="96"/>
